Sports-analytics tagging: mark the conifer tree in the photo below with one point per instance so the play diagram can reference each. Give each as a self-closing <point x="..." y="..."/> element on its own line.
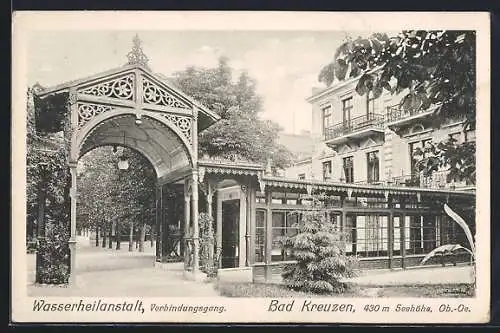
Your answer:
<point x="319" y="249"/>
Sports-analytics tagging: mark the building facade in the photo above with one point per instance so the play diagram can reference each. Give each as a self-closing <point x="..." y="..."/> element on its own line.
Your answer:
<point x="363" y="140"/>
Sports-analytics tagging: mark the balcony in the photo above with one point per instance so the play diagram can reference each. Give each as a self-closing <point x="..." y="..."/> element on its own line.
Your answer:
<point x="438" y="180"/>
<point x="397" y="117"/>
<point x="354" y="129"/>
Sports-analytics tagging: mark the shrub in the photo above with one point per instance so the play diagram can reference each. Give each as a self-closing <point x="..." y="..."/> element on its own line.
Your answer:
<point x="319" y="250"/>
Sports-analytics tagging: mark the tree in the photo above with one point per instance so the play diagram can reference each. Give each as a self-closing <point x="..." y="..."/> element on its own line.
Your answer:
<point x="427" y="68"/>
<point x="319" y="249"/>
<point x="240" y="134"/>
<point x="112" y="196"/>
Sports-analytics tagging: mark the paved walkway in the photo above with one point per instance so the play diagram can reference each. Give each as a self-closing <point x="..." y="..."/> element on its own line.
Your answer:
<point x="107" y="272"/>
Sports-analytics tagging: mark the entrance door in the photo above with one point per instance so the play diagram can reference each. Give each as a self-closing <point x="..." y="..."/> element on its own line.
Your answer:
<point x="230" y="233"/>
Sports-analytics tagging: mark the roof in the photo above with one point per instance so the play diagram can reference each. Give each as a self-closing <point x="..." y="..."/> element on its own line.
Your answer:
<point x="358" y="190"/>
<point x="336" y="85"/>
<point x="64" y="87"/>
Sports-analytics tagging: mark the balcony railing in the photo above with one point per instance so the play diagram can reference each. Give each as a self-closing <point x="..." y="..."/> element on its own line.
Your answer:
<point x="437" y="180"/>
<point x="371" y="120"/>
<point x="397" y="112"/>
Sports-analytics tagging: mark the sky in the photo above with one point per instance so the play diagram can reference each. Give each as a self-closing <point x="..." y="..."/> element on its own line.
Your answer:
<point x="285" y="64"/>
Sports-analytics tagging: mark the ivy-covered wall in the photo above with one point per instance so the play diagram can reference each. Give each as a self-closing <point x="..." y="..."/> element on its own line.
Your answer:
<point x="49" y="181"/>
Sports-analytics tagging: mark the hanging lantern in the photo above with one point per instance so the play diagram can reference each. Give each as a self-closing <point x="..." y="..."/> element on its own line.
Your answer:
<point x="123" y="163"/>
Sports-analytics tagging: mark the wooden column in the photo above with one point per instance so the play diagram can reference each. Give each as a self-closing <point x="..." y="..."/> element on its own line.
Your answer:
<point x="390" y="231"/>
<point x="209" y="196"/>
<point x="218" y="232"/>
<point x="269" y="236"/>
<point x="402" y="233"/>
<point x="167" y="205"/>
<point x="209" y="199"/>
<point x="159" y="224"/>
<point x="196" y="226"/>
<point x="247" y="223"/>
<point x="194" y="192"/>
<point x="253" y="195"/>
<point x="72" y="240"/>
<point x="187" y="222"/>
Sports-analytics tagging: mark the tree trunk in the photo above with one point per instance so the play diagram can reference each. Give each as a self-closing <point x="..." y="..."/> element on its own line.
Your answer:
<point x="104" y="234"/>
<point x="151" y="242"/>
<point x="142" y="238"/>
<point x="137" y="233"/>
<point x="97" y="236"/>
<point x="118" y="237"/>
<point x="131" y="237"/>
<point x="110" y="237"/>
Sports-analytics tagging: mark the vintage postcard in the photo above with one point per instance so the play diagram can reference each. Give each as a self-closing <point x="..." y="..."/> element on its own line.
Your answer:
<point x="251" y="167"/>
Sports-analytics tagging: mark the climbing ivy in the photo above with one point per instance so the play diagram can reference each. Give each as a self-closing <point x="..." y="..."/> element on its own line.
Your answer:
<point x="48" y="184"/>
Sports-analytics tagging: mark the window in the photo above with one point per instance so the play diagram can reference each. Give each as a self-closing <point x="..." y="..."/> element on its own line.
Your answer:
<point x="416" y="149"/>
<point x="327" y="118"/>
<point x="327" y="170"/>
<point x="396" y="250"/>
<point x="367" y="235"/>
<point x="372" y="162"/>
<point x="346" y="110"/>
<point x="348" y="167"/>
<point x="260" y="235"/>
<point x="284" y="225"/>
<point x="302" y="176"/>
<point x="421" y="234"/>
<point x="370" y="104"/>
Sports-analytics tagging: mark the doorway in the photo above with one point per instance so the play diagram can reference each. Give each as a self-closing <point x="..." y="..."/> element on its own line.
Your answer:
<point x="230" y="233"/>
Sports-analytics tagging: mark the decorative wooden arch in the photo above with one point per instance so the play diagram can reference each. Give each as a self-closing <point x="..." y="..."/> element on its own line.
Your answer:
<point x="138" y="102"/>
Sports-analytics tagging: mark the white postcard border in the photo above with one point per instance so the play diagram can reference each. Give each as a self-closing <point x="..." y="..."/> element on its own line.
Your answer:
<point x="251" y="309"/>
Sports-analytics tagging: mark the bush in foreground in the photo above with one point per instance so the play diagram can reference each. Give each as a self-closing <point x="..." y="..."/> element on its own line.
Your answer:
<point x="319" y="249"/>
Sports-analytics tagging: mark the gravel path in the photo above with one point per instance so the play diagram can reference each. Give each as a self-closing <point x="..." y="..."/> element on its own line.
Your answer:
<point x="107" y="272"/>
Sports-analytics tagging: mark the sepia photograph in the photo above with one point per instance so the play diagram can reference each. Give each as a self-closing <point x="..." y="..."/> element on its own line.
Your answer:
<point x="306" y="169"/>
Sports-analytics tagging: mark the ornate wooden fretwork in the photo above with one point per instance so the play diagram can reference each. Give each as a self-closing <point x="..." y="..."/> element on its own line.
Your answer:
<point x="153" y="94"/>
<point x="136" y="56"/>
<point x="120" y="88"/>
<point x="184" y="124"/>
<point x="87" y="111"/>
